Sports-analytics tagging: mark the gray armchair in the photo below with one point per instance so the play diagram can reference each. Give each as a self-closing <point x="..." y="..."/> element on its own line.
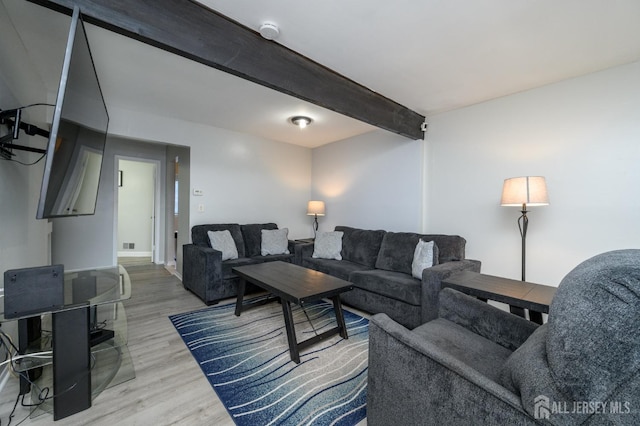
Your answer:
<point x="476" y="364"/>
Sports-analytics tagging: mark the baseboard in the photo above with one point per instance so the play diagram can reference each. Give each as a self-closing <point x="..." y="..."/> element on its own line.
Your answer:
<point x="134" y="254"/>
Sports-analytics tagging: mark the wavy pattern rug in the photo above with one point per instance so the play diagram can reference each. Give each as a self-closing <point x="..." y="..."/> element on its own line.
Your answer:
<point x="246" y="360"/>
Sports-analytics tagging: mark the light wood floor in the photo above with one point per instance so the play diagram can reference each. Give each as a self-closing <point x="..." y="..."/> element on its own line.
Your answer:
<point x="169" y="388"/>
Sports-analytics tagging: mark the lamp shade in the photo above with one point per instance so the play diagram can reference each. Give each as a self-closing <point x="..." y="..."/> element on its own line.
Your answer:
<point x="315" y="208"/>
<point x="529" y="190"/>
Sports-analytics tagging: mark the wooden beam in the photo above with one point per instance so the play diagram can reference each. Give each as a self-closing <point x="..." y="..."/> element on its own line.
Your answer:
<point x="191" y="30"/>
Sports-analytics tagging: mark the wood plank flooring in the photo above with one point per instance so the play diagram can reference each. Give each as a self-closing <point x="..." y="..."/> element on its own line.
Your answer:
<point x="169" y="388"/>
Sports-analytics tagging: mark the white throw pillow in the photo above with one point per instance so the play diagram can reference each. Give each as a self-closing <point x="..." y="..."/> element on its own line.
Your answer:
<point x="274" y="241"/>
<point x="223" y="241"/>
<point x="328" y="245"/>
<point x="422" y="258"/>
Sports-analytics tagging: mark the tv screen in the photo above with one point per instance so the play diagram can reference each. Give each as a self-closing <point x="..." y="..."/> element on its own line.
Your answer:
<point x="78" y="134"/>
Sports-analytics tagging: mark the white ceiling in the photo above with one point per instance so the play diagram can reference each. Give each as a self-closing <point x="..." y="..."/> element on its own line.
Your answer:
<point x="429" y="55"/>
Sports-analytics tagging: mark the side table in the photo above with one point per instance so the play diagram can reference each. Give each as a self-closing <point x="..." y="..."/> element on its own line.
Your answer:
<point x="519" y="294"/>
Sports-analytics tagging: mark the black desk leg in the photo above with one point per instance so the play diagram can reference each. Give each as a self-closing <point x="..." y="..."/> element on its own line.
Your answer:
<point x="241" y="287"/>
<point x="71" y="362"/>
<point x="291" y="332"/>
<point x="337" y="307"/>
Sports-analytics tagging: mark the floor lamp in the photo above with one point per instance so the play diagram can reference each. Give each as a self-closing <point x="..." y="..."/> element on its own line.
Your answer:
<point x="315" y="208"/>
<point x="522" y="192"/>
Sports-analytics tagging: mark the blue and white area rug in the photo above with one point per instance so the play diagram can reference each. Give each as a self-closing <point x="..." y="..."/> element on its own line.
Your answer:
<point x="246" y="359"/>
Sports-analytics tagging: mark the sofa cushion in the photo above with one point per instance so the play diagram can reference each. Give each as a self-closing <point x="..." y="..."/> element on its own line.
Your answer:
<point x="273" y="257"/>
<point x="252" y="234"/>
<point x="338" y="268"/>
<point x="200" y="238"/>
<point x="395" y="285"/>
<point x="425" y="256"/>
<point x="450" y="247"/>
<point x="223" y="242"/>
<point x="472" y="349"/>
<point x="328" y="245"/>
<point x="361" y="245"/>
<point x="274" y="241"/>
<point x="396" y="251"/>
<point x="593" y="345"/>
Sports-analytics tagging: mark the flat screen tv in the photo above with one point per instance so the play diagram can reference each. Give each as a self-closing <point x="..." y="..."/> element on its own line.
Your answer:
<point x="78" y="134"/>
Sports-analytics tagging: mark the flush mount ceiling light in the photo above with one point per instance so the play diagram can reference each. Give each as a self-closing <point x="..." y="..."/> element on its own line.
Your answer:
<point x="301" y="121"/>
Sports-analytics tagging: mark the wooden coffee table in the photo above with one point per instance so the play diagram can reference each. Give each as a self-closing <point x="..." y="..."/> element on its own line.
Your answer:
<point x="291" y="283"/>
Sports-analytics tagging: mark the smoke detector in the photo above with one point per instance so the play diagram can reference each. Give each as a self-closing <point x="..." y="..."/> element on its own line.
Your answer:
<point x="269" y="31"/>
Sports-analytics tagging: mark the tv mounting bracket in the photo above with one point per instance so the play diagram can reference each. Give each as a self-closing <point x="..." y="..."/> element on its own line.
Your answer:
<point x="11" y="118"/>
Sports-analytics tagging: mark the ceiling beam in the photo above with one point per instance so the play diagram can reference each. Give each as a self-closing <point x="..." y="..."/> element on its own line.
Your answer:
<point x="192" y="30"/>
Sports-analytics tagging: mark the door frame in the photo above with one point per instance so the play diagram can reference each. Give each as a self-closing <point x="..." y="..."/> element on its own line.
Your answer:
<point x="157" y="211"/>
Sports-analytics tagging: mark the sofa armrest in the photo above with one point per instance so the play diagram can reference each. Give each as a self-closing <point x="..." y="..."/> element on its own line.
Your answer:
<point x="201" y="270"/>
<point x="293" y="249"/>
<point x="413" y="381"/>
<point x="432" y="283"/>
<point x="501" y="327"/>
<point x="303" y="251"/>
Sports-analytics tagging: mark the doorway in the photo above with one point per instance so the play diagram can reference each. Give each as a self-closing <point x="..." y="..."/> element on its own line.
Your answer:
<point x="138" y="211"/>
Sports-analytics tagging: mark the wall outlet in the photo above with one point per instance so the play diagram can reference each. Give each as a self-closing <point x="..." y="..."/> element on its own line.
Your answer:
<point x="201" y="207"/>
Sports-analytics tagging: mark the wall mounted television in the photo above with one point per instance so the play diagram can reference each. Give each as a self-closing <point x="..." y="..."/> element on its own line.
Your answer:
<point x="78" y="134"/>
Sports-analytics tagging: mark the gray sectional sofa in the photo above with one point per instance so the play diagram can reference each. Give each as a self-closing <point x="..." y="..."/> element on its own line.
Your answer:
<point x="378" y="263"/>
<point x="207" y="275"/>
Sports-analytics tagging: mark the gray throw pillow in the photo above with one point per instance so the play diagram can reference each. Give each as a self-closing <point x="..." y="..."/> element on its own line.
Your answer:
<point x="328" y="245"/>
<point x="424" y="256"/>
<point x="223" y="241"/>
<point x="275" y="241"/>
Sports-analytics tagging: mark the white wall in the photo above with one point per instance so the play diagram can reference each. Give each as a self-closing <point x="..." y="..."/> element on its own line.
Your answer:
<point x="372" y="181"/>
<point x="23" y="239"/>
<point x="582" y="134"/>
<point x="244" y="179"/>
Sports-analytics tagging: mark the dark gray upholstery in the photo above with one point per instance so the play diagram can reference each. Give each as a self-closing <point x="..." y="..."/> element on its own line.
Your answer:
<point x="394" y="285"/>
<point x="378" y="263"/>
<point x="590" y="348"/>
<point x="252" y="236"/>
<point x="464" y="345"/>
<point x="207" y="276"/>
<point x="460" y="369"/>
<point x="338" y="268"/>
<point x="360" y="246"/>
<point x="200" y="237"/>
<point x="396" y="251"/>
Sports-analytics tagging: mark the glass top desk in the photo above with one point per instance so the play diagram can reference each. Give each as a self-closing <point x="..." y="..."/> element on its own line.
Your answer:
<point x="88" y="339"/>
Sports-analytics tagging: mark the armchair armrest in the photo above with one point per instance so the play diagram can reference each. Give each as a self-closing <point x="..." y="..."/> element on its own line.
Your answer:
<point x="202" y="269"/>
<point x="413" y="381"/>
<point x="432" y="280"/>
<point x="501" y="327"/>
